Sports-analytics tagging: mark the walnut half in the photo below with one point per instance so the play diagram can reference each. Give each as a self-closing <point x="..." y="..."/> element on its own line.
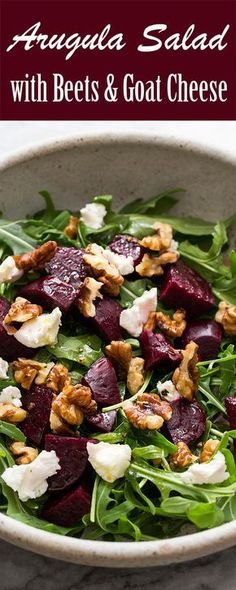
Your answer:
<point x="183" y="457"/>
<point x="89" y="291"/>
<point x="161" y="240"/>
<point x="21" y="311"/>
<point x="26" y="371"/>
<point x="120" y="352"/>
<point x="71" y="405"/>
<point x="209" y="449"/>
<point x="103" y="270"/>
<point x="172" y="327"/>
<point x="186" y="376"/>
<point x="151" y="266"/>
<point x="25" y="454"/>
<point x="11" y="413"/>
<point x="148" y="412"/>
<point x="226" y="316"/>
<point x="72" y="227"/>
<point x="36" y="259"/>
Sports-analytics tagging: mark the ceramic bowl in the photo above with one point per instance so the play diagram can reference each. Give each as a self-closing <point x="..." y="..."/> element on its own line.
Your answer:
<point x="128" y="167"/>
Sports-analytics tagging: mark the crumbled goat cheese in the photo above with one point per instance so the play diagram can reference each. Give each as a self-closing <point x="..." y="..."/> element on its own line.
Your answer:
<point x="30" y="481"/>
<point x="213" y="472"/>
<point x="173" y="246"/>
<point x="40" y="331"/>
<point x="11" y="395"/>
<point x="93" y="215"/>
<point x="124" y="264"/>
<point x="109" y="461"/>
<point x="132" y="319"/>
<point x="4" y="366"/>
<point x="168" y="390"/>
<point x="9" y="273"/>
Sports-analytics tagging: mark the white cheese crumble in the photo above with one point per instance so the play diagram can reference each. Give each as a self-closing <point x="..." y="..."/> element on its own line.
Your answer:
<point x="11" y="395"/>
<point x="41" y="331"/>
<point x="9" y="273"/>
<point x="124" y="264"/>
<point x="109" y="461"/>
<point x="30" y="481"/>
<point x="4" y="366"/>
<point x="168" y="390"/>
<point x="173" y="246"/>
<point x="132" y="319"/>
<point x="93" y="215"/>
<point x="202" y="473"/>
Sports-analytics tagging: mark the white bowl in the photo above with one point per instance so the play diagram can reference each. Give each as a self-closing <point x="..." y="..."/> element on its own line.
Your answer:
<point x="128" y="167"/>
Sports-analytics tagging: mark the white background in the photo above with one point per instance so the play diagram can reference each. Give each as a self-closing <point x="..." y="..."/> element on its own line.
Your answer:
<point x="220" y="135"/>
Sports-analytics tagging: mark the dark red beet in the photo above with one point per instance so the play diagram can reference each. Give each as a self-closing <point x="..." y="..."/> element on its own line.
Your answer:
<point x="10" y="348"/>
<point x="230" y="404"/>
<point x="68" y="265"/>
<point x="128" y="247"/>
<point x="101" y="378"/>
<point x="67" y="510"/>
<point x="183" y="287"/>
<point x="103" y="422"/>
<point x="158" y="351"/>
<point x="207" y="334"/>
<point x="38" y="404"/>
<point x="187" y="423"/>
<point x="106" y="320"/>
<point x="72" y="454"/>
<point x="50" y="292"/>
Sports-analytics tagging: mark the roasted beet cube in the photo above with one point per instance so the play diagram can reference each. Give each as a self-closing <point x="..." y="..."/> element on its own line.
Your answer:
<point x="101" y="378"/>
<point x="230" y="404"/>
<point x="127" y="246"/>
<point x="102" y="422"/>
<point x="158" y="351"/>
<point x="68" y="265"/>
<point x="50" y="292"/>
<point x="207" y="334"/>
<point x="187" y="422"/>
<point x="106" y="320"/>
<point x="72" y="454"/>
<point x="10" y="348"/>
<point x="68" y="509"/>
<point x="183" y="287"/>
<point x="38" y="403"/>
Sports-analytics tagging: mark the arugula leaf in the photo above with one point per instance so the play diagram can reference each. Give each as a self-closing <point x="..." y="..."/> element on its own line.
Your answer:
<point x="84" y="349"/>
<point x="11" y="431"/>
<point x="154" y="205"/>
<point x="140" y="225"/>
<point x="12" y="234"/>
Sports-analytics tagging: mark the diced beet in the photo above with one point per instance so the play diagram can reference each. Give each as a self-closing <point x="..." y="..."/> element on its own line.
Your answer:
<point x="207" y="334"/>
<point x="67" y="510"/>
<point x="38" y="403"/>
<point x="128" y="247"/>
<point x="187" y="422"/>
<point x="101" y="378"/>
<point x="68" y="265"/>
<point x="72" y="454"/>
<point x="10" y="348"/>
<point x="230" y="404"/>
<point x="50" y="292"/>
<point x="103" y="422"/>
<point x="158" y="351"/>
<point x="183" y="287"/>
<point x="106" y="320"/>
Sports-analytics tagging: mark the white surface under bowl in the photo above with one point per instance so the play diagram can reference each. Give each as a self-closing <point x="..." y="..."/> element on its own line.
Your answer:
<point x="127" y="167"/>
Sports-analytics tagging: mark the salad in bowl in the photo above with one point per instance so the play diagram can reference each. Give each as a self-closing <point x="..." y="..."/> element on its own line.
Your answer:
<point x="118" y="371"/>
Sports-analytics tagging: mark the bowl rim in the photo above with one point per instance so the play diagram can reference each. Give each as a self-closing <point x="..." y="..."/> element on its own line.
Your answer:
<point x="107" y="553"/>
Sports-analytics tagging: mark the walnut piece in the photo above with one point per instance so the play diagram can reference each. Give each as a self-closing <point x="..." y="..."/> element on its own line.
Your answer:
<point x="58" y="378"/>
<point x="209" y="449"/>
<point x="135" y="377"/>
<point x="72" y="404"/>
<point x="226" y="316"/>
<point x="148" y="412"/>
<point x="21" y="311"/>
<point x="183" y="457"/>
<point x="36" y="259"/>
<point x="120" y="352"/>
<point x="11" y="413"/>
<point x="161" y="240"/>
<point x="71" y="229"/>
<point x="151" y="266"/>
<point x="89" y="291"/>
<point x="104" y="271"/>
<point x="26" y="371"/>
<point x="172" y="327"/>
<point x="58" y="425"/>
<point x="25" y="454"/>
<point x="186" y="376"/>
